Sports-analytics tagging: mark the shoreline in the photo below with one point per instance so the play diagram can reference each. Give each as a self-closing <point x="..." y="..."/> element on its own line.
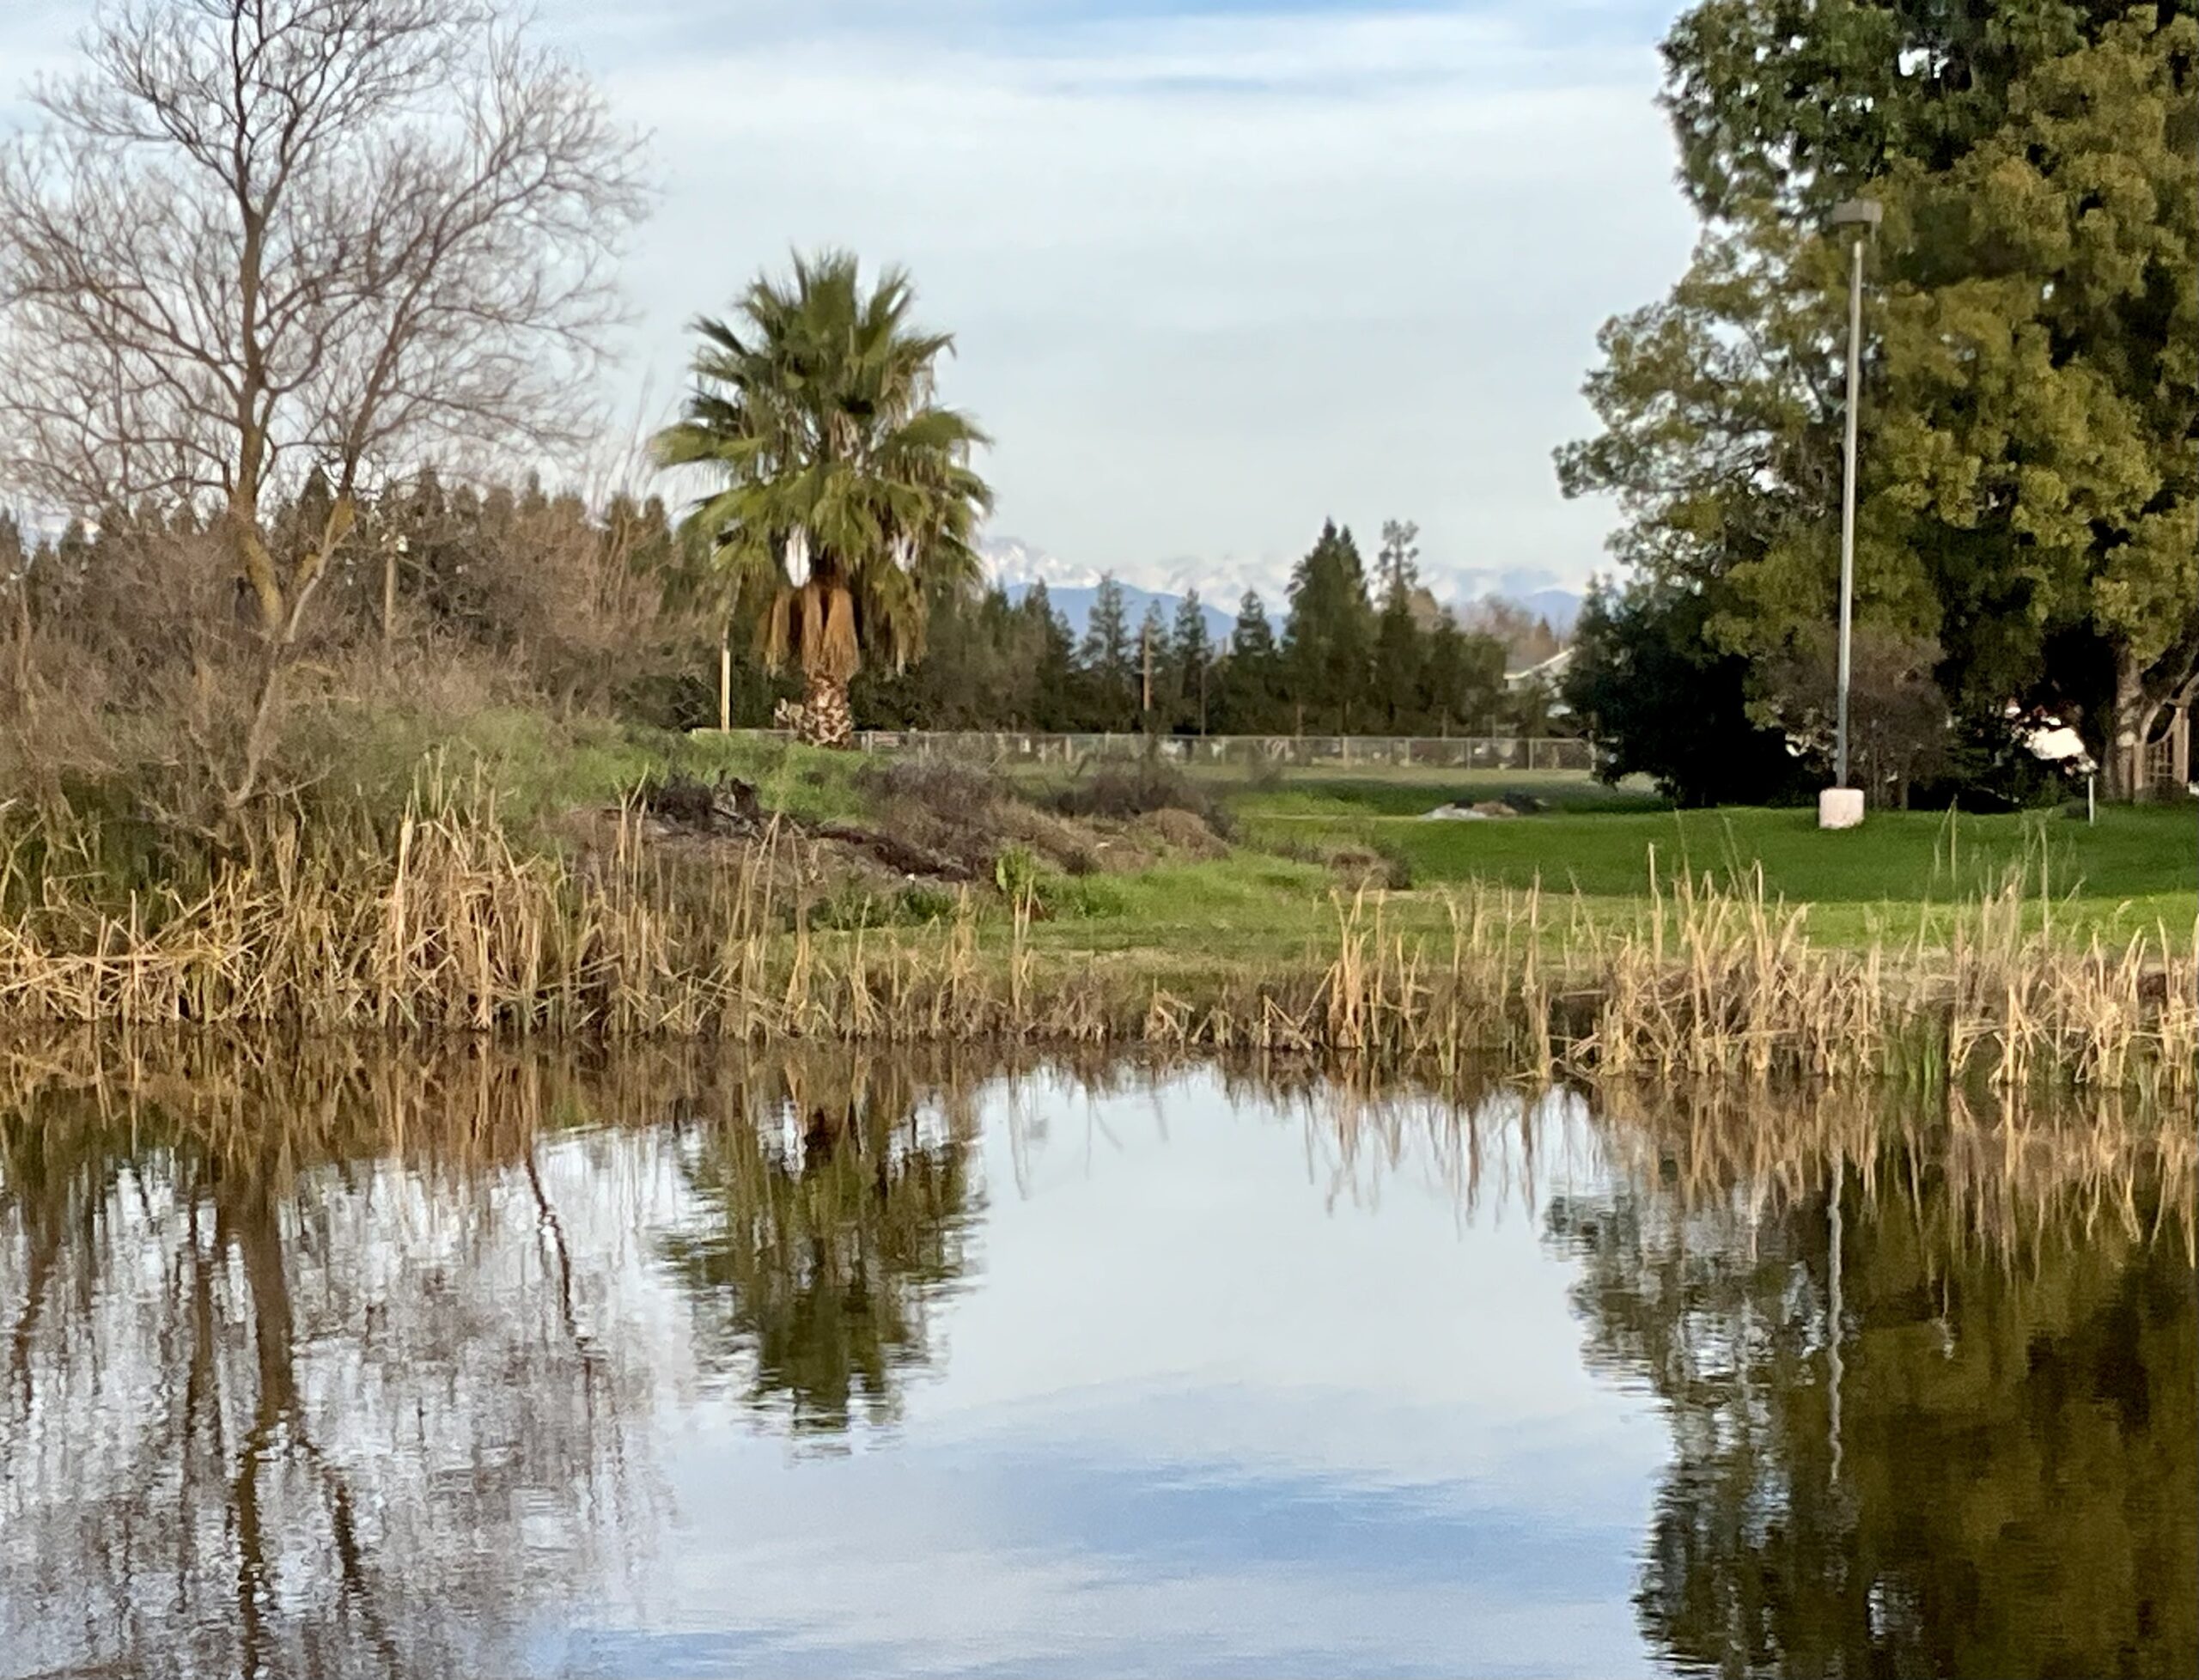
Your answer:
<point x="453" y="930"/>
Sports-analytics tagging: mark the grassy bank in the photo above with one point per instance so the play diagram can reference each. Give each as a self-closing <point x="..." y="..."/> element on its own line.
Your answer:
<point x="518" y="886"/>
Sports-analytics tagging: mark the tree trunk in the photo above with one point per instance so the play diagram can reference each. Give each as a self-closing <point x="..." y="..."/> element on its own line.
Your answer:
<point x="256" y="570"/>
<point x="2126" y="730"/>
<point x="825" y="719"/>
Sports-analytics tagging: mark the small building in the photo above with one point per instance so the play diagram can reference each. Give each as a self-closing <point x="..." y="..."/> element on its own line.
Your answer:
<point x="2169" y="758"/>
<point x="1551" y="673"/>
<point x="1549" y="677"/>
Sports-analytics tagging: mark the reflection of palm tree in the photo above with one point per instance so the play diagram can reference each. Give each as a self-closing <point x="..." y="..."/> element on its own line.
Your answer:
<point x="2009" y="1436"/>
<point x="834" y="1217"/>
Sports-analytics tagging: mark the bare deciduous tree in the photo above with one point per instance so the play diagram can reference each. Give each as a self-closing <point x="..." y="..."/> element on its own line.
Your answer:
<point x="254" y="237"/>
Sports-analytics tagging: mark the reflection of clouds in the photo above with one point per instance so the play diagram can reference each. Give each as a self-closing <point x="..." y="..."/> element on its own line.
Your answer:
<point x="1217" y="1381"/>
<point x="353" y="1422"/>
<point x="942" y="1558"/>
<point x="1196" y="1390"/>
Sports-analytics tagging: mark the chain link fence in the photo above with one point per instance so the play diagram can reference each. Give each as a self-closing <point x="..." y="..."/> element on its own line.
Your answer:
<point x="1491" y="752"/>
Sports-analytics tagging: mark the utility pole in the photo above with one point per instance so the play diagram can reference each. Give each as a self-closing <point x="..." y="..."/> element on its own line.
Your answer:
<point x="1145" y="641"/>
<point x="725" y="677"/>
<point x="393" y="552"/>
<point x="1841" y="806"/>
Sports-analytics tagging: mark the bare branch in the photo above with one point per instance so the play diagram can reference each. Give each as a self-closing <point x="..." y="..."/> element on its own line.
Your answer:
<point x="256" y="237"/>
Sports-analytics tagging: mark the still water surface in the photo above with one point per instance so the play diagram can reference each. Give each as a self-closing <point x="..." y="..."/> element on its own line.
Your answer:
<point x="818" y="1364"/>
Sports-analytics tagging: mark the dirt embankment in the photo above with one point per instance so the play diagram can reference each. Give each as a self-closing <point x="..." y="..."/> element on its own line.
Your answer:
<point x="932" y="824"/>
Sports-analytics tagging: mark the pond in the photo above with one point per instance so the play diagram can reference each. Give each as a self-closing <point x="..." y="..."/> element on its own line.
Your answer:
<point x="331" y="1361"/>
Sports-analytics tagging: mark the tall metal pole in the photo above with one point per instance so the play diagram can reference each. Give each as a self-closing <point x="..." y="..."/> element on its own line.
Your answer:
<point x="1848" y="505"/>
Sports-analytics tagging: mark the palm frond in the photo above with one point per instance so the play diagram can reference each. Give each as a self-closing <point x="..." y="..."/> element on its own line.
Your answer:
<point x="815" y="408"/>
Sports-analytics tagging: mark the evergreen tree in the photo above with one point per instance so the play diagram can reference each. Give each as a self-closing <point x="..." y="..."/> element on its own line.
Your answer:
<point x="1328" y="644"/>
<point x="1250" y="676"/>
<point x="15" y="589"/>
<point x="1156" y="696"/>
<point x="1398" y="643"/>
<point x="2030" y="493"/>
<point x="1661" y="701"/>
<point x="1191" y="659"/>
<point x="1051" y="653"/>
<point x="1461" y="678"/>
<point x="1107" y="662"/>
<point x="1399" y="559"/>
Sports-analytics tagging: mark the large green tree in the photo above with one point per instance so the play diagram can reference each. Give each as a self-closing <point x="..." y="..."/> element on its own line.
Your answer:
<point x="1155" y="680"/>
<point x="1190" y="657"/>
<point x="1251" y="677"/>
<point x="1398" y="654"/>
<point x="1108" y="658"/>
<point x="1664" y="701"/>
<point x="1328" y="644"/>
<point x="846" y="491"/>
<point x="1052" y="651"/>
<point x="1461" y="678"/>
<point x="2029" y="477"/>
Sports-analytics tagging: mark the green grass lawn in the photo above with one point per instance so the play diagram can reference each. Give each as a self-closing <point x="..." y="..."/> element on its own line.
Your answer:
<point x="2135" y="869"/>
<point x="1895" y="854"/>
<point x="539" y="765"/>
<point x="1589" y="846"/>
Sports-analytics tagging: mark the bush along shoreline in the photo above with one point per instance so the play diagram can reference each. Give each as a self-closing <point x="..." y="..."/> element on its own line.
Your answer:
<point x="641" y="929"/>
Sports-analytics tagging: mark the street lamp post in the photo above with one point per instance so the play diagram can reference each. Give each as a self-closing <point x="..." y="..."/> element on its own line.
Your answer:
<point x="1841" y="806"/>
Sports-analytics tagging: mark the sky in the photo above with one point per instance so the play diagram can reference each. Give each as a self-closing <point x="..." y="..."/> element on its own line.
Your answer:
<point x="1217" y="269"/>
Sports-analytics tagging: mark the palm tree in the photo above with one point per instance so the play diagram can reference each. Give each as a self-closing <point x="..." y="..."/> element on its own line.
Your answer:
<point x="847" y="495"/>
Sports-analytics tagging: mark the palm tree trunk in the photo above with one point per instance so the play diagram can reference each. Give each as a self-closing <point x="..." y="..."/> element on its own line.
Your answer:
<point x="826" y="720"/>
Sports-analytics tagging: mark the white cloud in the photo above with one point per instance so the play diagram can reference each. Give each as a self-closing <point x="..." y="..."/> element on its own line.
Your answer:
<point x="1214" y="277"/>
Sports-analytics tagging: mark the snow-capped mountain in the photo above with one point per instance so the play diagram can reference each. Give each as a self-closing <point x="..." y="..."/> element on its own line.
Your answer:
<point x="1016" y="565"/>
<point x="1010" y="562"/>
<point x="1075" y="605"/>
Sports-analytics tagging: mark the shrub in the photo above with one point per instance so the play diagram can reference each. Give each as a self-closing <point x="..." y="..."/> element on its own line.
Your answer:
<point x="945" y="786"/>
<point x="1123" y="793"/>
<point x="1015" y="873"/>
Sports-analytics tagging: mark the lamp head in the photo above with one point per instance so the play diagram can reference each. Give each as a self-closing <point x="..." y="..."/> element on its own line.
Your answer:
<point x="1863" y="213"/>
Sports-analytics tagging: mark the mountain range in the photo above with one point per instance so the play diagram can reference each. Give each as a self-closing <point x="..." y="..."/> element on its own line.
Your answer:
<point x="1015" y="565"/>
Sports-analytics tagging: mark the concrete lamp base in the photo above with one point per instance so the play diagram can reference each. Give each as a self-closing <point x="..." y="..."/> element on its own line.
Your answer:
<point x="1840" y="807"/>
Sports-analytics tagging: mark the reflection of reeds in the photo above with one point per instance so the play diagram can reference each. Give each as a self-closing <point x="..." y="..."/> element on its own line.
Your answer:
<point x="459" y="1110"/>
<point x="1994" y="1167"/>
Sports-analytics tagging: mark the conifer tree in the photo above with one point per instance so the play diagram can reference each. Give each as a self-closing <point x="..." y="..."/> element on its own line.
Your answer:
<point x="1328" y="644"/>
<point x="1190" y="657"/>
<point x="1398" y="642"/>
<point x="1251" y="673"/>
<point x="1107" y="661"/>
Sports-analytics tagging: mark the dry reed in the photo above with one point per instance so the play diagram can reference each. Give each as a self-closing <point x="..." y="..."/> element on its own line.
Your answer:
<point x="450" y="927"/>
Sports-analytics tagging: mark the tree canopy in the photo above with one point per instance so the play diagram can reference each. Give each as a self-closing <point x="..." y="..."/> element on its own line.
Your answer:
<point x="845" y="490"/>
<point x="2030" y="466"/>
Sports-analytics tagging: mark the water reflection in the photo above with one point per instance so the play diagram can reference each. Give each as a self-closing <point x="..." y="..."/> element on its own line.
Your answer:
<point x="1933" y="1411"/>
<point x="281" y="1402"/>
<point x="333" y="1361"/>
<point x="833" y="1199"/>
